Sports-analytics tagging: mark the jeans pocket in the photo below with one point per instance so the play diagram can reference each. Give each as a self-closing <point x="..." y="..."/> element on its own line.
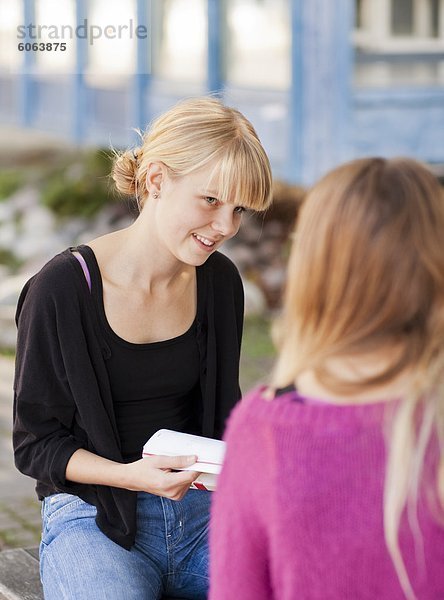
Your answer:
<point x="57" y="504"/>
<point x="56" y="510"/>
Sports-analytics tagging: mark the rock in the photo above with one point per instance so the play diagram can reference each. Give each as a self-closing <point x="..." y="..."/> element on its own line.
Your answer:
<point x="38" y="219"/>
<point x="10" y="288"/>
<point x="8" y="235"/>
<point x="255" y="302"/>
<point x="250" y="232"/>
<point x="25" y="199"/>
<point x="272" y="279"/>
<point x="38" y="234"/>
<point x="268" y="251"/>
<point x="7" y="211"/>
<point x="242" y="256"/>
<point x="274" y="230"/>
<point x="4" y="273"/>
<point x="71" y="229"/>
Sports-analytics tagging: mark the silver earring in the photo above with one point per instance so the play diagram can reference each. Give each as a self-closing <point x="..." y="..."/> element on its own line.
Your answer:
<point x="155" y="195"/>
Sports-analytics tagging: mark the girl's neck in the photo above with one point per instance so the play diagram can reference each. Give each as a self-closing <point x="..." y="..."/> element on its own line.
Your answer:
<point x="131" y="257"/>
<point x="353" y="370"/>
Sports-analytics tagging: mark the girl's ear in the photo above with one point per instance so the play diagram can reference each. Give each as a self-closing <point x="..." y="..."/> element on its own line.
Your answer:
<point x="155" y="175"/>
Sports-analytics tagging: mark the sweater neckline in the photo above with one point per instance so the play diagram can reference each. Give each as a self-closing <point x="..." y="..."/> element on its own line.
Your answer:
<point x="290" y="405"/>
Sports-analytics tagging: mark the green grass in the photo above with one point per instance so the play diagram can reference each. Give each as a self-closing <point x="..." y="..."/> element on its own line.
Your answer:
<point x="10" y="181"/>
<point x="7" y="352"/>
<point x="80" y="188"/>
<point x="257" y="342"/>
<point x="258" y="352"/>
<point x="8" y="258"/>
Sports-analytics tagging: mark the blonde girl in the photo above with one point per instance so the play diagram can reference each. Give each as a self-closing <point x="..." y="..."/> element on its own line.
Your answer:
<point x="135" y="331"/>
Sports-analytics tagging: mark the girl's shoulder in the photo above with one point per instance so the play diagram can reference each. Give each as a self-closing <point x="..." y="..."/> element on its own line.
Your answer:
<point x="256" y="407"/>
<point x="221" y="264"/>
<point x="221" y="275"/>
<point x="59" y="280"/>
<point x="287" y="411"/>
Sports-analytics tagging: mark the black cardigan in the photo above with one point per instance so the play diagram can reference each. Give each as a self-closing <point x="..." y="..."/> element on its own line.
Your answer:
<point x="62" y="396"/>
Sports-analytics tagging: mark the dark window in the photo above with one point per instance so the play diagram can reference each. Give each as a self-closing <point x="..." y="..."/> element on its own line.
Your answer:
<point x="435" y="17"/>
<point x="358" y="14"/>
<point x="402" y="17"/>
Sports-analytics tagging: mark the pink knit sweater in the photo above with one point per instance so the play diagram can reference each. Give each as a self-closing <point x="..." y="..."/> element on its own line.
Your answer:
<point x="298" y="511"/>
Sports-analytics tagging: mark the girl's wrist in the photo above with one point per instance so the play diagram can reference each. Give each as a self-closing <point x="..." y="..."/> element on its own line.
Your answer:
<point x="121" y="476"/>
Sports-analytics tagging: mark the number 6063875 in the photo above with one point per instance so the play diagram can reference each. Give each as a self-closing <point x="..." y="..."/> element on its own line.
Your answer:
<point x="41" y="46"/>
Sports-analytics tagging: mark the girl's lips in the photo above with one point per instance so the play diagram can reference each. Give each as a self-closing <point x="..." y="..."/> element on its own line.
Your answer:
<point x="204" y="246"/>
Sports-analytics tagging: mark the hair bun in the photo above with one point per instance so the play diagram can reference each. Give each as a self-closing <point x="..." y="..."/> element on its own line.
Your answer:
<point x="124" y="172"/>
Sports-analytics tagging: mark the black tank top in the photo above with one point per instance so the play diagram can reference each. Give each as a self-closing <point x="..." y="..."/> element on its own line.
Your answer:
<point x="154" y="385"/>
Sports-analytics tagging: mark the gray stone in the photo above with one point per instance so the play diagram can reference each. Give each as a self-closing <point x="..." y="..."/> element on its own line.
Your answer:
<point x="274" y="229"/>
<point x="273" y="277"/>
<point x="4" y="272"/>
<point x="38" y="220"/>
<point x="268" y="250"/>
<point x="7" y="210"/>
<point x="242" y="256"/>
<point x="255" y="301"/>
<point x="250" y="232"/>
<point x="19" y="576"/>
<point x="25" y="199"/>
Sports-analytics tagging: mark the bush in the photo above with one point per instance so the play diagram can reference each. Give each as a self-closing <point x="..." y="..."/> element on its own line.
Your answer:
<point x="9" y="259"/>
<point x="80" y="188"/>
<point x="10" y="181"/>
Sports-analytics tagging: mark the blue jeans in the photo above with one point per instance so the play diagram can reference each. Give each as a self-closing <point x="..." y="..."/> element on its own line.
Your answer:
<point x="170" y="555"/>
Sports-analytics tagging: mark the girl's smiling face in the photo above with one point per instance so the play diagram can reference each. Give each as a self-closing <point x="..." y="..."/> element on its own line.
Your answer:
<point x="192" y="222"/>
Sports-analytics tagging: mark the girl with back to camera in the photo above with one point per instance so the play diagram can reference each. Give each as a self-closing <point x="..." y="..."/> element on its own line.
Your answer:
<point x="349" y="438"/>
<point x="135" y="331"/>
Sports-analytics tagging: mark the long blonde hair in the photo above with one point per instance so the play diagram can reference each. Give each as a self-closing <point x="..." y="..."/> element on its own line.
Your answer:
<point x="366" y="274"/>
<point x="190" y="135"/>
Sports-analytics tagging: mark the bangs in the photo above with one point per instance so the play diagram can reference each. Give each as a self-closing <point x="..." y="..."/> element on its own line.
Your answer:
<point x="243" y="176"/>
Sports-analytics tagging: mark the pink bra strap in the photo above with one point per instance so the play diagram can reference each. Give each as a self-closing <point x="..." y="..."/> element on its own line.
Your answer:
<point x="84" y="267"/>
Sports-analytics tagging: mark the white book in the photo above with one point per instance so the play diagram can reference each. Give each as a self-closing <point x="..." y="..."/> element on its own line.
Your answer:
<point x="210" y="454"/>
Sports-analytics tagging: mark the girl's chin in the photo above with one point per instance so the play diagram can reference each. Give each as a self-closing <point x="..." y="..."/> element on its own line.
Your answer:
<point x="195" y="259"/>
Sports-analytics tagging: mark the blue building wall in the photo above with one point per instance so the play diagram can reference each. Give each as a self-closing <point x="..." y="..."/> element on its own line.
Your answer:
<point x="399" y="122"/>
<point x="320" y="121"/>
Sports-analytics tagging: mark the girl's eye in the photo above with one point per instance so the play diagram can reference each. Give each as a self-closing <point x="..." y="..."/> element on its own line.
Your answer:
<point x="210" y="200"/>
<point x="239" y="209"/>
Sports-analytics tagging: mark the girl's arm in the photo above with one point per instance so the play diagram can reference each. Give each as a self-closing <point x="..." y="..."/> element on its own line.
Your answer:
<point x="150" y="474"/>
<point x="239" y="562"/>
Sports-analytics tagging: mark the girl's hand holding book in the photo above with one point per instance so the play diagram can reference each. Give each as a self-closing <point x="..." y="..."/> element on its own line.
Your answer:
<point x="161" y="475"/>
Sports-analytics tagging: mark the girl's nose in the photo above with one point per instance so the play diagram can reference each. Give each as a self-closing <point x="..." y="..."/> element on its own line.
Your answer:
<point x="225" y="222"/>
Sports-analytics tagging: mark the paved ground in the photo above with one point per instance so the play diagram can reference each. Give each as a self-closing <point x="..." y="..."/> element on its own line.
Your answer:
<point x="19" y="507"/>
